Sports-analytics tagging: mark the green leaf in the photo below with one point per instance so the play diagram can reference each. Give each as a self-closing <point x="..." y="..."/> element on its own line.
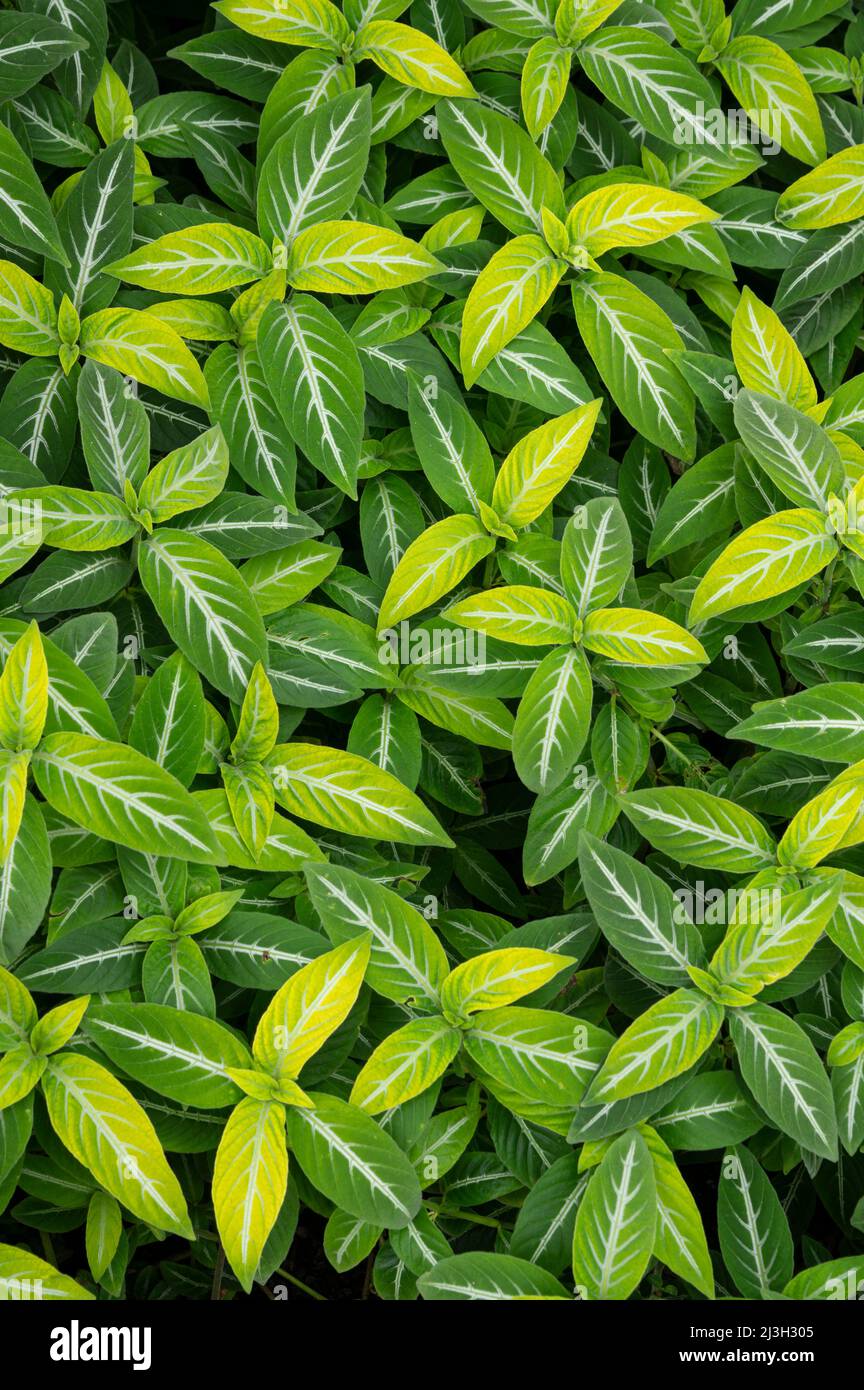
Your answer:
<point x="105" y="1128"/>
<point x="754" y="1232"/>
<point x="312" y="23"/>
<point x="655" y="84"/>
<point x="186" y="478"/>
<point x="774" y="93"/>
<point x="680" y="1235"/>
<point x="481" y="1276"/>
<point x="628" y="337"/>
<point x="407" y="961"/>
<point x="696" y="827"/>
<point x="141" y="346"/>
<point x="205" y="605"/>
<point x="834" y="710"/>
<point x="495" y="978"/>
<point x="782" y="1068"/>
<point x="25" y="1276"/>
<point x="314" y="375"/>
<point x="767" y="559"/>
<point x="518" y="613"/>
<point x="500" y="164"/>
<point x="553" y="719"/>
<point x="796" y="453"/>
<point x="352" y="1161"/>
<point x="28" y="314"/>
<point x="176" y="1053"/>
<point x="631" y="214"/>
<point x="26" y="218"/>
<point x="314" y="171"/>
<point x="638" y="913"/>
<point x="539" y="466"/>
<point x="123" y="796"/>
<point x="829" y="196"/>
<point x="643" y="639"/>
<point x="432" y="565"/>
<point x="505" y="298"/>
<point x="349" y="794"/>
<point x="774" y="936"/>
<point x="668" y="1039"/>
<point x="451" y="448"/>
<point x="405" y="1064"/>
<point x="411" y="57"/>
<point x="308" y="1008"/>
<point x="596" y="554"/>
<point x="355" y="258"/>
<point x="24" y="692"/>
<point x="616" y="1222"/>
<point x="250" y="1175"/>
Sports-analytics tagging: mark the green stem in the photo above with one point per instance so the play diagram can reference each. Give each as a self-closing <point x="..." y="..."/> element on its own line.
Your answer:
<point x="298" y="1283"/>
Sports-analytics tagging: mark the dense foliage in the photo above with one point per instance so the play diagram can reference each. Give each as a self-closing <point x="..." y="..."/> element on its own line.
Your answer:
<point x="432" y="718"/>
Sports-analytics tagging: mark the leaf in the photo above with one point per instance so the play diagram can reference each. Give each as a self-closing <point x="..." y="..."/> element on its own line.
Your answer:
<point x="766" y="356"/>
<point x="666" y="1040"/>
<point x="405" y="1064"/>
<point x="596" y="554"/>
<point x="481" y="1276"/>
<point x="655" y="84"/>
<point x="536" y="469"/>
<point x="24" y="692"/>
<point x="774" y="93"/>
<point x="755" y="953"/>
<point x="205" y="605"/>
<point x="308" y="1008"/>
<point x="451" y="448"/>
<point x="767" y="559"/>
<point x="178" y="1054"/>
<point x="104" y="1127"/>
<point x="25" y="1276"/>
<point x="796" y="453"/>
<point x="834" y="711"/>
<point x="431" y="566"/>
<point x="312" y="23"/>
<point x="643" y="639"/>
<point x="250" y="1175"/>
<point x="347" y="793"/>
<point x="141" y="346"/>
<point x="754" y="1232"/>
<point x="500" y="164"/>
<point x="553" y="719"/>
<point x="314" y="171"/>
<point x="122" y="795"/>
<point x="186" y="478"/>
<point x="355" y="258"/>
<point x="638" y="913"/>
<point x="631" y="214"/>
<point x="518" y="613"/>
<point x="354" y="1162"/>
<point x="616" y="1222"/>
<point x="406" y="961"/>
<point x="831" y="194"/>
<point x="26" y="218"/>
<point x="627" y="336"/>
<point x="696" y="827"/>
<point x="412" y="57"/>
<point x="782" y="1068"/>
<point x="314" y="374"/>
<point x="498" y="977"/>
<point x="95" y="225"/>
<point x="680" y="1236"/>
<point x="505" y="298"/>
<point x="204" y="259"/>
<point x="28" y="315"/>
